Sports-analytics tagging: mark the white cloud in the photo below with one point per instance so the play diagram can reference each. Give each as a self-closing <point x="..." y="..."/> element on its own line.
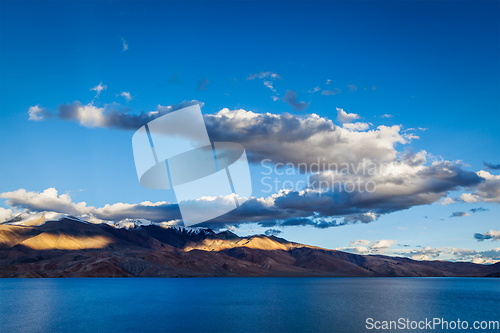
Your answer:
<point x="269" y="84"/>
<point x="263" y="75"/>
<point x="311" y="91"/>
<point x="468" y="197"/>
<point x="381" y="245"/>
<point x="108" y="117"/>
<point x="357" y="126"/>
<point x="125" y="44"/>
<point x="267" y="78"/>
<point x="492" y="234"/>
<point x="384" y="246"/>
<point x="126" y="95"/>
<point x="303" y="139"/>
<point x="402" y="179"/>
<point x="328" y="82"/>
<point x="361" y="246"/>
<point x="91" y="116"/>
<point x="487" y="191"/>
<point x="352" y="87"/>
<point x="334" y="91"/>
<point x="100" y="87"/>
<point x="495" y="234"/>
<point x="87" y="115"/>
<point x="50" y="201"/>
<point x="5" y="214"/>
<point x="345" y="117"/>
<point x="454" y="254"/>
<point x="360" y="242"/>
<point x="34" y="112"/>
<point x="386" y="116"/>
<point x="447" y="201"/>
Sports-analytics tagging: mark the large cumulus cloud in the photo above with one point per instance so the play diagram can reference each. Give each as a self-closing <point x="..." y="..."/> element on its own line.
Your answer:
<point x="306" y="139"/>
<point x="388" y="178"/>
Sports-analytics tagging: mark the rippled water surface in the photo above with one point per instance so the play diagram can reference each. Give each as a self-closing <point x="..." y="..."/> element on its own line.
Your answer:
<point x="240" y="304"/>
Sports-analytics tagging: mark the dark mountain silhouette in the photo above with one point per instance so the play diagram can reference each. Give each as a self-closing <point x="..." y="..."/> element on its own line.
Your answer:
<point x="73" y="248"/>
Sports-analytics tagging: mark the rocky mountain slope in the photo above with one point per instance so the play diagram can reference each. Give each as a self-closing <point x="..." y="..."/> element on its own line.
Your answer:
<point x="73" y="248"/>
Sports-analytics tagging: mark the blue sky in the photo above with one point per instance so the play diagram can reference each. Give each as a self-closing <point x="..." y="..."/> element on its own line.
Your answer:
<point x="430" y="65"/>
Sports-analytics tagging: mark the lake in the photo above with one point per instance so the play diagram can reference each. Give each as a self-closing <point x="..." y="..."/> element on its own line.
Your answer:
<point x="241" y="304"/>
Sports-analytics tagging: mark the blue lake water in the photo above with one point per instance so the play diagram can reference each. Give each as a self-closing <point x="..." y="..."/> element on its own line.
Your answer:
<point x="241" y="304"/>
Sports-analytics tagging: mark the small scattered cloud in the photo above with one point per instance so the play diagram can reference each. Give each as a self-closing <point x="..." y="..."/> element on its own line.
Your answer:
<point x="203" y="84"/>
<point x="386" y="116"/>
<point x="291" y="99"/>
<point x="275" y="98"/>
<point x="125" y="95"/>
<point x="359" y="242"/>
<point x="492" y="166"/>
<point x="454" y="254"/>
<point x="352" y="88"/>
<point x="479" y="209"/>
<point x="492" y="234"/>
<point x="345" y="117"/>
<point x="269" y="84"/>
<point x="447" y="201"/>
<point x="312" y="91"/>
<point x="267" y="78"/>
<point x="469" y="198"/>
<point x="374" y="88"/>
<point x="263" y="75"/>
<point x="381" y="245"/>
<point x="125" y="44"/>
<point x="459" y="214"/>
<point x="100" y="87"/>
<point x="272" y="232"/>
<point x="334" y="91"/>
<point x="362" y="246"/>
<point x="328" y="82"/>
<point x="35" y="113"/>
<point x="384" y="246"/>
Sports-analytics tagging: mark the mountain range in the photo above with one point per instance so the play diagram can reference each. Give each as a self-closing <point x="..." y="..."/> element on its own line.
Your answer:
<point x="70" y="247"/>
